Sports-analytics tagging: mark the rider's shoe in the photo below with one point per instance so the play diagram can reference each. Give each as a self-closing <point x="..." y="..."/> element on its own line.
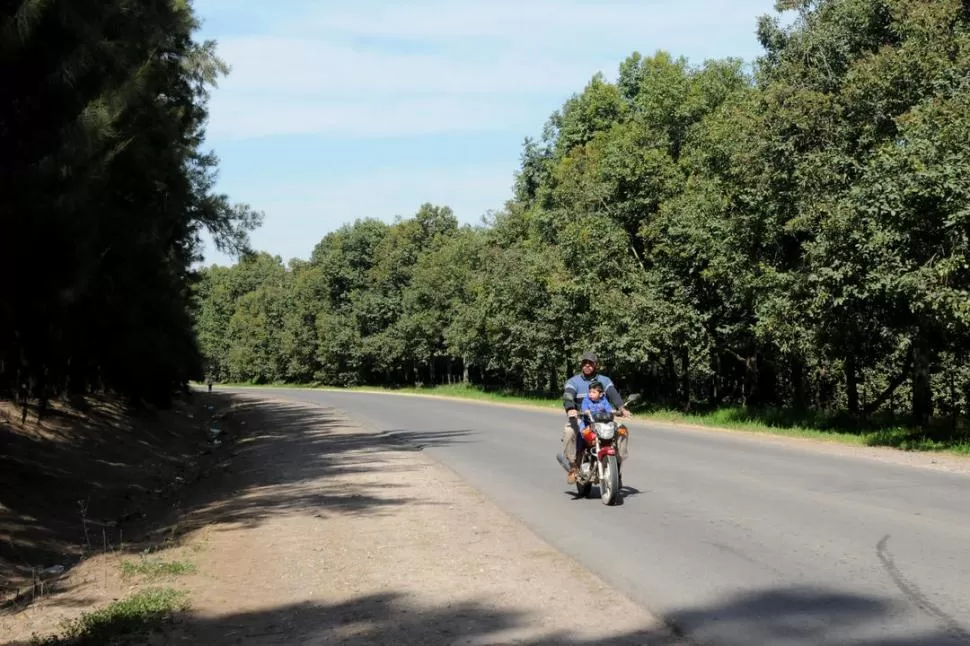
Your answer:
<point x="571" y="476"/>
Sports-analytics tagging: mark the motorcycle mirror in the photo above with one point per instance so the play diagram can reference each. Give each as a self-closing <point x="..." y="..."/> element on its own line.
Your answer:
<point x="632" y="398"/>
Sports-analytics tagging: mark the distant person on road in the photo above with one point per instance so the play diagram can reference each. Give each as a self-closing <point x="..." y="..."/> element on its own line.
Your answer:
<point x="574" y="393"/>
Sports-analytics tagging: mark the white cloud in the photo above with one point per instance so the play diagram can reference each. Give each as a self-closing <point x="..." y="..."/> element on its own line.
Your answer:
<point x="232" y="118"/>
<point x="289" y="86"/>
<point x="525" y="23"/>
<point x="273" y="63"/>
<point x="387" y="68"/>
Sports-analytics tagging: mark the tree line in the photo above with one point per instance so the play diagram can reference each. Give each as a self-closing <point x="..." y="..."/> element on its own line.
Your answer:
<point x="790" y="234"/>
<point x="105" y="190"/>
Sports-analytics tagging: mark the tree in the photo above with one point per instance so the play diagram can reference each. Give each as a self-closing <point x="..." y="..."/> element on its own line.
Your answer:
<point x="869" y="95"/>
<point x="102" y="114"/>
<point x="794" y="236"/>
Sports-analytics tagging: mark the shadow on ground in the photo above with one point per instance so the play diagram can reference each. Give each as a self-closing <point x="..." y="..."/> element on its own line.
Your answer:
<point x="780" y="617"/>
<point x="107" y="482"/>
<point x="285" y="466"/>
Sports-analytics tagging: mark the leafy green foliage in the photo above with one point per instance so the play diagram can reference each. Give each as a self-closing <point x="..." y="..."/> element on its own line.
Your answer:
<point x="124" y="621"/>
<point x="791" y="237"/>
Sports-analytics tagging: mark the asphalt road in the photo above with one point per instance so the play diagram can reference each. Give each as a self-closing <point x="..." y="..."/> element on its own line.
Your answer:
<point x="733" y="539"/>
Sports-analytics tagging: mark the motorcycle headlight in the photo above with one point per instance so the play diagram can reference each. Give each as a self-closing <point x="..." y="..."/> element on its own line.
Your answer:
<point x="605" y="430"/>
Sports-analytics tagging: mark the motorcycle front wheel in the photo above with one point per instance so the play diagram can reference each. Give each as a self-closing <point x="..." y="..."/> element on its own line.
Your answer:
<point x="610" y="485"/>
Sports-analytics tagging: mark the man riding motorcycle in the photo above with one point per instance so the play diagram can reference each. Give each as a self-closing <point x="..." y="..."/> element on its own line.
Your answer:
<point x="576" y="389"/>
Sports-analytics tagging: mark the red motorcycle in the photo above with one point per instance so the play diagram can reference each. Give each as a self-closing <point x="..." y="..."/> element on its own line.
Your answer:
<point x="598" y="463"/>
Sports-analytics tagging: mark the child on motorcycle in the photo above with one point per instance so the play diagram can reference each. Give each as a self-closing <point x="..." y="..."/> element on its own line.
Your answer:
<point x="594" y="403"/>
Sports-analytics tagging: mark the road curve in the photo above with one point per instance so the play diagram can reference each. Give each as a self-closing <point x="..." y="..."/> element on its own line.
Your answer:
<point x="733" y="539"/>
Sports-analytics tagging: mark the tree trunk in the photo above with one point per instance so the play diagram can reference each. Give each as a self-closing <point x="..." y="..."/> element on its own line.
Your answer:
<point x="798" y="383"/>
<point x="671" y="389"/>
<point x="715" y="391"/>
<point x="685" y="380"/>
<point x="749" y="382"/>
<point x="891" y="389"/>
<point x="852" y="385"/>
<point x="922" y="389"/>
<point x="766" y="379"/>
<point x="954" y="408"/>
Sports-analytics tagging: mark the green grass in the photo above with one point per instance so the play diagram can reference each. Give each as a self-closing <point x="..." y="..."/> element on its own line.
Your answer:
<point x="122" y="622"/>
<point x="878" y="431"/>
<point x="154" y="568"/>
<point x="831" y="428"/>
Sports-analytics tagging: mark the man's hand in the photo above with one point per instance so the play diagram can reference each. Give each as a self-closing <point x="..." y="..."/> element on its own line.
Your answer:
<point x="624" y="412"/>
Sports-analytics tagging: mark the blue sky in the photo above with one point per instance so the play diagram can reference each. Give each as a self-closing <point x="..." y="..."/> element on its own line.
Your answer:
<point x="342" y="110"/>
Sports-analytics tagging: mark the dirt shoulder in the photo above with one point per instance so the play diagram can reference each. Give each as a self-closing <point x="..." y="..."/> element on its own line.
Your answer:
<point x="314" y="530"/>
<point x="86" y="479"/>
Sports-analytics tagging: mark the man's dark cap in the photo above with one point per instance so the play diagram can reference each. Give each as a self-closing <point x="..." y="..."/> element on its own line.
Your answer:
<point x="589" y="356"/>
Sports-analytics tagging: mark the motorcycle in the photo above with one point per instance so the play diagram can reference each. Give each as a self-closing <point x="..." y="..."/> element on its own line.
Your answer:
<point x="599" y="462"/>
